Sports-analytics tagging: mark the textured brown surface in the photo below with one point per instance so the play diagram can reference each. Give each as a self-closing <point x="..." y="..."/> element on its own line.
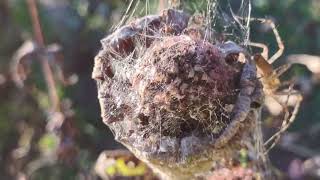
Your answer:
<point x="176" y="101"/>
<point x="187" y="86"/>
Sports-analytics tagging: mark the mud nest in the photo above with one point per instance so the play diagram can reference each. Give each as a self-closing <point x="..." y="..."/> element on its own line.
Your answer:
<point x="166" y="91"/>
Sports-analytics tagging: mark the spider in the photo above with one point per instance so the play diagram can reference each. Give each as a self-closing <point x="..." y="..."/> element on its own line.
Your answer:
<point x="271" y="82"/>
<point x="269" y="77"/>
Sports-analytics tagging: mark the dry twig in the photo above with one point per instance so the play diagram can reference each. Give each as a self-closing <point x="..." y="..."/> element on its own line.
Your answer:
<point x="44" y="62"/>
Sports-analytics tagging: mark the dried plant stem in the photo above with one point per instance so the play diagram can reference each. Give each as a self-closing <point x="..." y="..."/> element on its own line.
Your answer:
<point x="44" y="61"/>
<point x="162" y="5"/>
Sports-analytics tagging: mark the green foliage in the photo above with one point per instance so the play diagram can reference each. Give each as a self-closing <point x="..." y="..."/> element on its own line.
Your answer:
<point x="48" y="143"/>
<point x="121" y="168"/>
<point x="20" y="15"/>
<point x="243" y="158"/>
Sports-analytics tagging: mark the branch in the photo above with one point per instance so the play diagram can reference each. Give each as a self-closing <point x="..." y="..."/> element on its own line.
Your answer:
<point x="44" y="62"/>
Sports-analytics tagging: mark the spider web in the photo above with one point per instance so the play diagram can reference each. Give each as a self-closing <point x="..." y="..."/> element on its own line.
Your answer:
<point x="228" y="18"/>
<point x="232" y="18"/>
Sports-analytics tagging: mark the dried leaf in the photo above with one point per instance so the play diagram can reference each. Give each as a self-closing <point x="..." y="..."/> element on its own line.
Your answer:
<point x="21" y="62"/>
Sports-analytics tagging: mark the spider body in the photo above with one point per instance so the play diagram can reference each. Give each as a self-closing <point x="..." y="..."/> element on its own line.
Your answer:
<point x="269" y="77"/>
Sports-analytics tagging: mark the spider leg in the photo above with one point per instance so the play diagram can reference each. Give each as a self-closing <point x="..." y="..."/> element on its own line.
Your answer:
<point x="282" y="69"/>
<point x="277" y="36"/>
<point x="279" y="41"/>
<point x="274" y="139"/>
<point x="288" y="120"/>
<point x="265" y="49"/>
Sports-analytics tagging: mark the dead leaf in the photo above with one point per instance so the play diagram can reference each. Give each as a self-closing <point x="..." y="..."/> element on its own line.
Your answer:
<point x="21" y="62"/>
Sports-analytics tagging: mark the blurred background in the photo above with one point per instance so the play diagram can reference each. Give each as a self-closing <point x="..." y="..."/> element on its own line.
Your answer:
<point x="37" y="141"/>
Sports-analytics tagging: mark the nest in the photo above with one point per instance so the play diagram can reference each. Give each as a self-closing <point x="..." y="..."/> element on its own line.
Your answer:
<point x="167" y="93"/>
<point x="184" y="88"/>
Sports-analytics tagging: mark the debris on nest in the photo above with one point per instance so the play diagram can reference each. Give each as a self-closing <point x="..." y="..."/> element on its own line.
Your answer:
<point x="171" y="96"/>
<point x="185" y="87"/>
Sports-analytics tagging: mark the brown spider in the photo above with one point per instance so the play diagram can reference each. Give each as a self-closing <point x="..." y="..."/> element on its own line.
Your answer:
<point x="269" y="77"/>
<point x="271" y="82"/>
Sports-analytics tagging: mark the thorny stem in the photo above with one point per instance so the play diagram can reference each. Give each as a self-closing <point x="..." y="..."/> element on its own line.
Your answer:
<point x="44" y="62"/>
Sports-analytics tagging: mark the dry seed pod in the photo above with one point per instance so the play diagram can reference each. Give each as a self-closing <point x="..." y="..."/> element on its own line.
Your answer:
<point x="180" y="104"/>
